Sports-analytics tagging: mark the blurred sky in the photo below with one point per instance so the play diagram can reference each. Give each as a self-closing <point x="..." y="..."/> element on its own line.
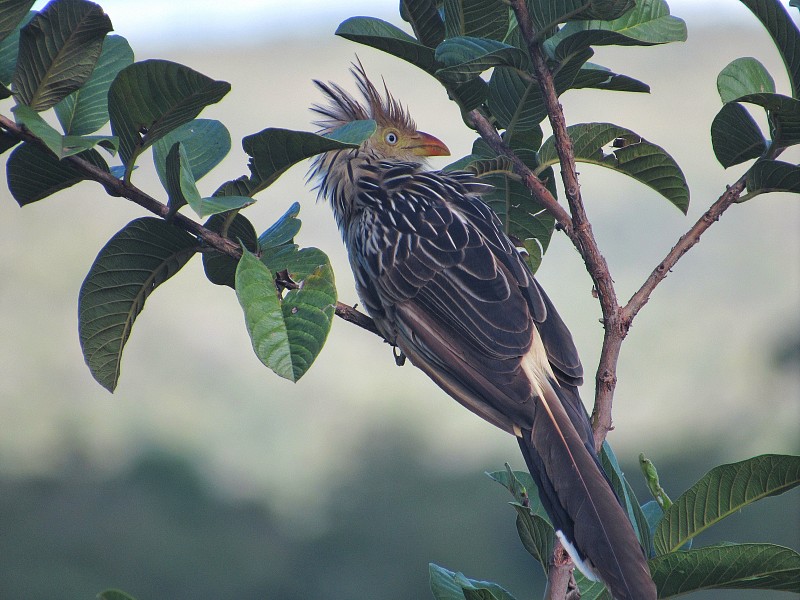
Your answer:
<point x="217" y="22"/>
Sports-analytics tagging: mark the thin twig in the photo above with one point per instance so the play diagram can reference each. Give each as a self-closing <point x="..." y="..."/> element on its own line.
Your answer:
<point x="117" y="187"/>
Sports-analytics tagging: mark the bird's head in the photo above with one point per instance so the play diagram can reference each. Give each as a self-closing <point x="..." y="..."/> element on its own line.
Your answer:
<point x="396" y="136"/>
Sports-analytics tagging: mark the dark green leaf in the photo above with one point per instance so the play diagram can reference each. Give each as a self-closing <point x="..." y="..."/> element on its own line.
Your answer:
<point x="630" y="155"/>
<point x="85" y="110"/>
<point x="546" y="15"/>
<point x="178" y="180"/>
<point x="33" y="173"/>
<point x="287" y="334"/>
<point x="520" y="484"/>
<point x="469" y="95"/>
<point x="11" y="14"/>
<point x="607" y="10"/>
<point x="783" y="32"/>
<point x="423" y="15"/>
<point x="476" y="18"/>
<point x="516" y="100"/>
<point x="727" y="566"/>
<point x="743" y="76"/>
<point x="536" y="534"/>
<point x="9" y="49"/>
<point x="722" y="491"/>
<point x="58" y="49"/>
<point x="7" y="141"/>
<point x="205" y="141"/>
<point x="648" y="24"/>
<point x="448" y="585"/>
<point x="466" y="57"/>
<point x="388" y="38"/>
<point x="602" y="78"/>
<point x="149" y="99"/>
<point x="773" y="176"/>
<point x="139" y="258"/>
<point x="784" y="116"/>
<point x="735" y="136"/>
<point x="273" y="151"/>
<point x="221" y="268"/>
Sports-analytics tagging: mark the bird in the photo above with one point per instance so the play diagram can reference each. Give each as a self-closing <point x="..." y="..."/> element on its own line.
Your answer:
<point x="452" y="293"/>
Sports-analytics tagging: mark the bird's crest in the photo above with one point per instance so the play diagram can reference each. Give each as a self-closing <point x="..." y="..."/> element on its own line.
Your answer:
<point x="344" y="108"/>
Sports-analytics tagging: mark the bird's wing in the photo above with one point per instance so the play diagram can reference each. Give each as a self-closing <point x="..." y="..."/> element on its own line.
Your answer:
<point x="447" y="286"/>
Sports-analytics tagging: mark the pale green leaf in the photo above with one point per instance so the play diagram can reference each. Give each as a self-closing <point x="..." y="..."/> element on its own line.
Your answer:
<point x="58" y="50"/>
<point x="85" y="110"/>
<point x="205" y="141"/>
<point x="743" y="76"/>
<point x="139" y="258"/>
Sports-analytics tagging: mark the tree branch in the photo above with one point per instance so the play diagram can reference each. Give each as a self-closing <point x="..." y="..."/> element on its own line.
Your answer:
<point x="119" y="188"/>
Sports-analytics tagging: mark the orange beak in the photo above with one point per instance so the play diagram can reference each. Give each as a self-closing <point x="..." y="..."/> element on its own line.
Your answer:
<point x="424" y="144"/>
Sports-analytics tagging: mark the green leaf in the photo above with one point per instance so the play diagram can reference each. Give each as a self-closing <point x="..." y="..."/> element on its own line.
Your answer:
<point x="727" y="566"/>
<point x="648" y="24"/>
<point x="602" y="78"/>
<point x="783" y="113"/>
<point x="114" y="595"/>
<point x="287" y="334"/>
<point x="388" y="38"/>
<point x="630" y="155"/>
<point x="273" y="151"/>
<point x="12" y="12"/>
<point x="149" y="99"/>
<point x="58" y="49"/>
<point x="625" y="493"/>
<point x="536" y="534"/>
<point x="773" y="176"/>
<point x="178" y="180"/>
<point x="521" y="485"/>
<point x="722" y="491"/>
<point x="425" y="20"/>
<point x="448" y="585"/>
<point x="516" y="100"/>
<point x="9" y="49"/>
<point x="283" y="230"/>
<point x="546" y="15"/>
<point x="743" y="76"/>
<point x="466" y="57"/>
<point x="60" y="145"/>
<point x="591" y="590"/>
<point x="33" y="173"/>
<point x="783" y="32"/>
<point x="7" y="141"/>
<point x="139" y="258"/>
<point x="735" y="136"/>
<point x="85" y="110"/>
<point x="205" y="141"/>
<point x="476" y="18"/>
<point x="220" y="268"/>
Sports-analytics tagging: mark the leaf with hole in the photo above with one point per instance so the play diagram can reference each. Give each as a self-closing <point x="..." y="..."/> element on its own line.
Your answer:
<point x="85" y="110"/>
<point x="149" y="99"/>
<point x="287" y="333"/>
<point x="134" y="262"/>
<point x="727" y="566"/>
<point x="58" y="50"/>
<point x="33" y="173"/>
<point x="629" y="154"/>
<point x="723" y="491"/>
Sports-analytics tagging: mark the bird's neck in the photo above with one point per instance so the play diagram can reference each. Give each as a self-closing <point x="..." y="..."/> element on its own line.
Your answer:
<point x="336" y="173"/>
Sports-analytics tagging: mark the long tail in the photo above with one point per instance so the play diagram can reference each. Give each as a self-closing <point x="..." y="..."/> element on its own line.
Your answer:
<point x="579" y="499"/>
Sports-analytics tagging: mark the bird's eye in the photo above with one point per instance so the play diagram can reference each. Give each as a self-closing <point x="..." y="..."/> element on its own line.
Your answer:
<point x="391" y="138"/>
